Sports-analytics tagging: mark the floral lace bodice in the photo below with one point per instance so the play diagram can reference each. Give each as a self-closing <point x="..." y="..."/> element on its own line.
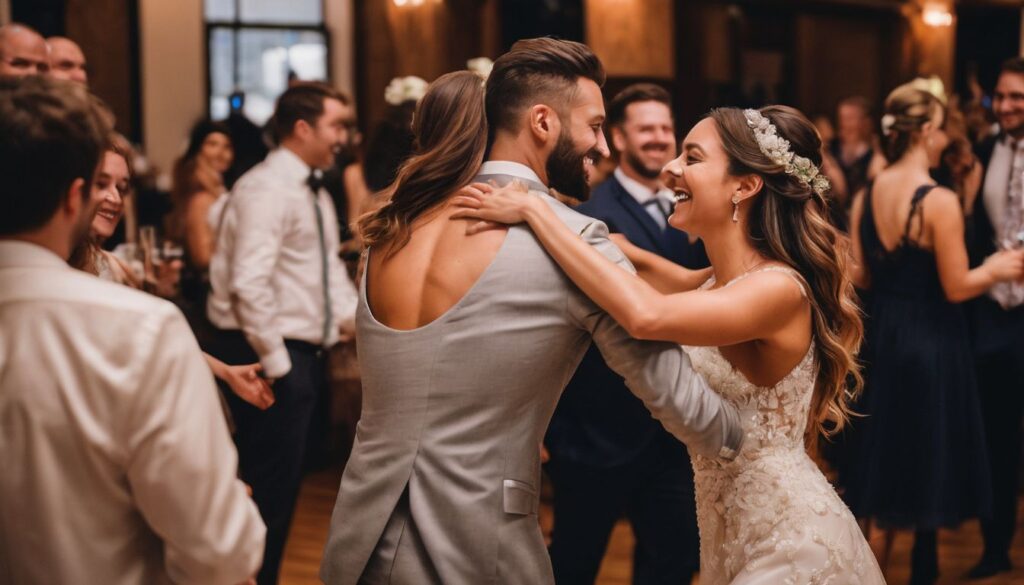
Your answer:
<point x="770" y="516"/>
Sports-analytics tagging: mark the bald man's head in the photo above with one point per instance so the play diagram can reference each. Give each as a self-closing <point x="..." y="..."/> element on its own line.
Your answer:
<point x="23" y="51"/>
<point x="67" y="61"/>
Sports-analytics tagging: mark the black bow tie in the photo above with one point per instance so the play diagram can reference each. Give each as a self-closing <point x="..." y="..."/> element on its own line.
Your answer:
<point x="657" y="202"/>
<point x="315" y="180"/>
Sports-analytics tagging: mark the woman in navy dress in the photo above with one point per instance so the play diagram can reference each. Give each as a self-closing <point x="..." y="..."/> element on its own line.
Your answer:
<point x="917" y="458"/>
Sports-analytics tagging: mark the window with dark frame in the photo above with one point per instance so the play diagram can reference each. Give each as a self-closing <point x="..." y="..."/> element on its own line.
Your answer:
<point x="256" y="47"/>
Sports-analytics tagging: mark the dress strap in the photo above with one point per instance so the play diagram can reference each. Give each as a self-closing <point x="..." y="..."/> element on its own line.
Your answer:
<point x="797" y="278"/>
<point x="915" y="210"/>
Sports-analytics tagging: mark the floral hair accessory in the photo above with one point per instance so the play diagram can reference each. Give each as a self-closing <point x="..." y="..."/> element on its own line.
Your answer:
<point x="481" y="66"/>
<point x="887" y="121"/>
<point x="777" y="149"/>
<point x="405" y="89"/>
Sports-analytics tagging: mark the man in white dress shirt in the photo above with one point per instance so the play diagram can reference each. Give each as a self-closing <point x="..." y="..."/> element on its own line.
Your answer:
<point x="117" y="463"/>
<point x="281" y="295"/>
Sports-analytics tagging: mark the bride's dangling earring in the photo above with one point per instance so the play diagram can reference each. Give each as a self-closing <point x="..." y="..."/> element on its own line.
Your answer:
<point x="735" y="208"/>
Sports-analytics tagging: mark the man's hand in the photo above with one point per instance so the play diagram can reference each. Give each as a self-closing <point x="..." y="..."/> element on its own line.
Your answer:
<point x="247" y="384"/>
<point x="347" y="331"/>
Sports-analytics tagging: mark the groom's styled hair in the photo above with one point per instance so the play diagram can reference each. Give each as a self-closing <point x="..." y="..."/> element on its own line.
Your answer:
<point x="542" y="70"/>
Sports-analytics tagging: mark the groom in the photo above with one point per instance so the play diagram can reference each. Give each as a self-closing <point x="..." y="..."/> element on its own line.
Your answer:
<point x="442" y="485"/>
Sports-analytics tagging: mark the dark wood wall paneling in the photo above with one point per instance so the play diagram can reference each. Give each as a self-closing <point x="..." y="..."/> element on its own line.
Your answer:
<point x="426" y="40"/>
<point x="107" y="32"/>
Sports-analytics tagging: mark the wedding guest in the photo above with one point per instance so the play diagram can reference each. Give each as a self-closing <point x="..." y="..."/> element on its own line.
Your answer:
<point x="111" y="188"/>
<point x="852" y="146"/>
<point x="198" y="193"/>
<point x="281" y="295"/>
<point x="67" y="61"/>
<point x="918" y="457"/>
<point x="997" y="319"/>
<point x="118" y="466"/>
<point x="609" y="457"/>
<point x="23" y="51"/>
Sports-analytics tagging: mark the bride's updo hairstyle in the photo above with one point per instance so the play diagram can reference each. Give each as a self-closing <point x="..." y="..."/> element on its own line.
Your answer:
<point x="788" y="224"/>
<point x="451" y="137"/>
<point x="907" y="110"/>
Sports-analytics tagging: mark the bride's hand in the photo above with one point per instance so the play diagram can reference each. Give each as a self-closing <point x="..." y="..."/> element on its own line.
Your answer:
<point x="504" y="205"/>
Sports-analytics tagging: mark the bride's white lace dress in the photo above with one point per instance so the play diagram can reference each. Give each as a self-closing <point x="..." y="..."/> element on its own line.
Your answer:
<point x="770" y="516"/>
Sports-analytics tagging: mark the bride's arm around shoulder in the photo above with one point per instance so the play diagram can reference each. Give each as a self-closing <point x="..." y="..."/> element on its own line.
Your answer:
<point x="663" y="274"/>
<point x="752" y="309"/>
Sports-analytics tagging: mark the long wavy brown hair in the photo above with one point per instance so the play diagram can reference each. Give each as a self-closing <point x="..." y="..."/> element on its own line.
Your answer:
<point x="789" y="224"/>
<point x="451" y="137"/>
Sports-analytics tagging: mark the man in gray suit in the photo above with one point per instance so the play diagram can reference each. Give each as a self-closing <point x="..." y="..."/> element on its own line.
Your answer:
<point x="442" y="485"/>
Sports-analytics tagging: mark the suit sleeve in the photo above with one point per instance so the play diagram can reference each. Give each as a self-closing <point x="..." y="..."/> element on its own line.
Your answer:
<point x="659" y="373"/>
<point x="182" y="466"/>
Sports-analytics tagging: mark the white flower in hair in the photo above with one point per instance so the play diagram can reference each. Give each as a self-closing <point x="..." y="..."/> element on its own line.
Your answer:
<point x="887" y="121"/>
<point x="481" y="66"/>
<point x="405" y="89"/>
<point x="777" y="149"/>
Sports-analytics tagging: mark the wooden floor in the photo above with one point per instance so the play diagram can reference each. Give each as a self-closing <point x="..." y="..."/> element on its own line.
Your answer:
<point x="958" y="550"/>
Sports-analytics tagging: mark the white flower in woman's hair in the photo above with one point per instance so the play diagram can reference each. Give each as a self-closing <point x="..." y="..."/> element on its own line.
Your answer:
<point x="776" y="148"/>
<point x="887" y="121"/>
<point x="405" y="89"/>
<point x="481" y="66"/>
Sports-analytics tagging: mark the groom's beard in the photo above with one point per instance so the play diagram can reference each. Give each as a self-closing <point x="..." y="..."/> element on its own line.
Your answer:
<point x="566" y="173"/>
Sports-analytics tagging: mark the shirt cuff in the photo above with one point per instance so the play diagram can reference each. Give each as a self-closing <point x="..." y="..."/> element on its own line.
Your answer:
<point x="276" y="364"/>
<point x="733" y="444"/>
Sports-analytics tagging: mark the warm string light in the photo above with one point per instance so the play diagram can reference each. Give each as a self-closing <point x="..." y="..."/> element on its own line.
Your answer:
<point x="937" y="15"/>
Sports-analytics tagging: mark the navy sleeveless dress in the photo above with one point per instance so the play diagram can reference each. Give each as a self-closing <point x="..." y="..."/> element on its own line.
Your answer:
<point x="917" y="459"/>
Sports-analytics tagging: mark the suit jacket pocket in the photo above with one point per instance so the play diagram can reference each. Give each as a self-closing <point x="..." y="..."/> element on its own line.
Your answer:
<point x="519" y="497"/>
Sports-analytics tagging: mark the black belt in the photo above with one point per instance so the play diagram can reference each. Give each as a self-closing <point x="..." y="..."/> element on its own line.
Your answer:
<point x="303" y="346"/>
<point x="292" y="344"/>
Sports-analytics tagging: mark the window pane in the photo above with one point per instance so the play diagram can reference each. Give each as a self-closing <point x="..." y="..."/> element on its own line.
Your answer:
<point x="220" y="10"/>
<point x="283" y="11"/>
<point x="266" y="58"/>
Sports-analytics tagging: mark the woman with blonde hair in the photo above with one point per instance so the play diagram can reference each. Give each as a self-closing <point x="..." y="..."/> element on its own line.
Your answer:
<point x="917" y="459"/>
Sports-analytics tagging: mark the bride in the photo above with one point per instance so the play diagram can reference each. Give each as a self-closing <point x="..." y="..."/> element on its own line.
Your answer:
<point x="774" y="330"/>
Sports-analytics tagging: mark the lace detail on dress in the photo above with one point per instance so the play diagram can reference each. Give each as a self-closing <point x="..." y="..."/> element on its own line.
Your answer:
<point x="770" y="516"/>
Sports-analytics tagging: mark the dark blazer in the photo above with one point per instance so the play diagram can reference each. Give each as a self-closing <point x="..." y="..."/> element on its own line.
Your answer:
<point x="598" y="421"/>
<point x="993" y="329"/>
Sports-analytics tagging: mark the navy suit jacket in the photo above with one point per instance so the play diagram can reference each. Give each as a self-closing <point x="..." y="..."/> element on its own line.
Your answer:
<point x="598" y="421"/>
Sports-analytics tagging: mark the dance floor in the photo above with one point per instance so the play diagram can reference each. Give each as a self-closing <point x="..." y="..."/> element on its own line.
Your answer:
<point x="958" y="550"/>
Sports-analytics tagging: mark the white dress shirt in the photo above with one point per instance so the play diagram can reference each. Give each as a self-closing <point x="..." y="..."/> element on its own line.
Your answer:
<point x="117" y="463"/>
<point x="266" y="270"/>
<point x="643" y="194"/>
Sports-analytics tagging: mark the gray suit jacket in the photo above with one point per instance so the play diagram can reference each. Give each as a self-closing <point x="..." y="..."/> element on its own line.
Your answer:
<point x="442" y="484"/>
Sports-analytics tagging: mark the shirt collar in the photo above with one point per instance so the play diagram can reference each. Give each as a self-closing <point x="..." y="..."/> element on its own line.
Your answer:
<point x="512" y="169"/>
<point x="21" y="254"/>
<point x="288" y="164"/>
<point x="640" y="192"/>
<point x="1006" y="140"/>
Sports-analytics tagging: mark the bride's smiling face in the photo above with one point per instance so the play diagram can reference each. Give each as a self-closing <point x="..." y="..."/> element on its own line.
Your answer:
<point x="701" y="182"/>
